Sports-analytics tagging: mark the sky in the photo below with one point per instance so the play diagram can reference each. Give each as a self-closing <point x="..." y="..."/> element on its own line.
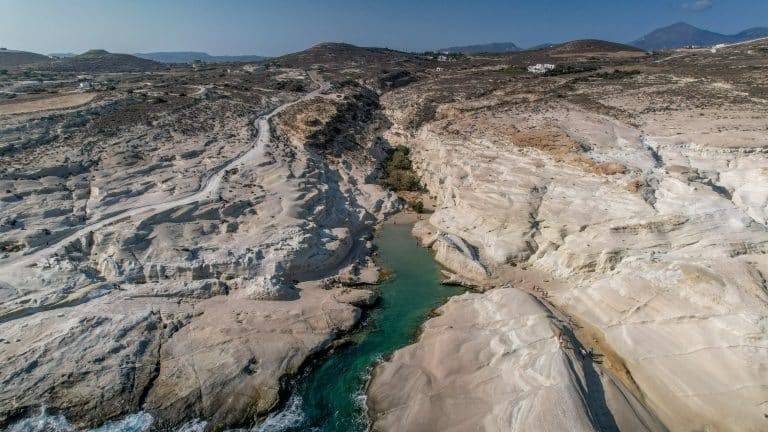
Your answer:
<point x="274" y="27"/>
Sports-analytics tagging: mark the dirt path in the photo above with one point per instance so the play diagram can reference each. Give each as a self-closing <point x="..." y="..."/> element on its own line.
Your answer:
<point x="209" y="189"/>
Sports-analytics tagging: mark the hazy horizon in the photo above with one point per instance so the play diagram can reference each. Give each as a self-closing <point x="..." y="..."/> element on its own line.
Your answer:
<point x="270" y="27"/>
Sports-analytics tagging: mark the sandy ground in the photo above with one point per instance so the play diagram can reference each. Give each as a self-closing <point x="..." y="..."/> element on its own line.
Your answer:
<point x="52" y="103"/>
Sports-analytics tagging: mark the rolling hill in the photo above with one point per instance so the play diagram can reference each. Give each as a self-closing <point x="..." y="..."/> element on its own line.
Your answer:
<point x="590" y="46"/>
<point x="190" y="56"/>
<point x="681" y="34"/>
<point x="495" y="47"/>
<point x="334" y="53"/>
<point x="12" y="58"/>
<point x="95" y="61"/>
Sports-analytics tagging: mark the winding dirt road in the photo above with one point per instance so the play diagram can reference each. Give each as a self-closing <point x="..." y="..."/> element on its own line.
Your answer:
<point x="209" y="189"/>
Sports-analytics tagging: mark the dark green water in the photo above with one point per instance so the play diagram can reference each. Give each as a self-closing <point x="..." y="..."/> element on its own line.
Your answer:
<point x="330" y="397"/>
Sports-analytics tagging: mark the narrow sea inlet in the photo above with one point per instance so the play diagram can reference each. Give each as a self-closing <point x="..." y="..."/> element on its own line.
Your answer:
<point x="331" y="396"/>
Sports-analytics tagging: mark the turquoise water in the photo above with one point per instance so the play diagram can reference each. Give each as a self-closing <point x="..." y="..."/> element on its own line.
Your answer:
<point x="330" y="397"/>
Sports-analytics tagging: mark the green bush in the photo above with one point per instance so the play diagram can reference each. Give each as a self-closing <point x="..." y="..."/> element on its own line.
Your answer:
<point x="417" y="206"/>
<point x="400" y="161"/>
<point x="402" y="181"/>
<point x="570" y="69"/>
<point x="398" y="171"/>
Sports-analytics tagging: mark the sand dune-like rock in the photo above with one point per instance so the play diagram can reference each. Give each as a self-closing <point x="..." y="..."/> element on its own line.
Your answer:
<point x="496" y="362"/>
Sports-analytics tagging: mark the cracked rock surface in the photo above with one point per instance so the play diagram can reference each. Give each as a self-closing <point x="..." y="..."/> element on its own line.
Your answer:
<point x="633" y="204"/>
<point x="182" y="255"/>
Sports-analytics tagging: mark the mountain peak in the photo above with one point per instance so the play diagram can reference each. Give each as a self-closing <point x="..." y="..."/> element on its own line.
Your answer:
<point x="681" y="24"/>
<point x="95" y="53"/>
<point x="682" y="34"/>
<point x="754" y="33"/>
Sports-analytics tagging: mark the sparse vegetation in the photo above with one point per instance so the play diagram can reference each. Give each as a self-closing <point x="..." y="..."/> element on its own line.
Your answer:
<point x="398" y="171"/>
<point x="514" y="70"/>
<point x="396" y="79"/>
<point x="617" y="74"/>
<point x="295" y="86"/>
<point x="570" y="69"/>
<point x="417" y="206"/>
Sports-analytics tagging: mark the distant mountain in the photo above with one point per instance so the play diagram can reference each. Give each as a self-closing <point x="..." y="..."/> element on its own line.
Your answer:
<point x="336" y="53"/>
<point x="96" y="61"/>
<point x="586" y="46"/>
<point x="541" y="46"/>
<point x="12" y="59"/>
<point x="682" y="34"/>
<point x="752" y="33"/>
<point x="190" y="56"/>
<point x="62" y="55"/>
<point x="496" y="47"/>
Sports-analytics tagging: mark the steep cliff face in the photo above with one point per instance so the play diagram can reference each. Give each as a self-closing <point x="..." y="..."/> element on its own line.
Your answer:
<point x="630" y="203"/>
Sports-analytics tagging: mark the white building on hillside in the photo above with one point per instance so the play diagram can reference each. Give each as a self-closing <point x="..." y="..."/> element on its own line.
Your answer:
<point x="540" y="68"/>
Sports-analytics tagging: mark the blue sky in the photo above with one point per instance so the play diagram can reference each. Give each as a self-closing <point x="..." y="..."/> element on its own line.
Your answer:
<point x="272" y="27"/>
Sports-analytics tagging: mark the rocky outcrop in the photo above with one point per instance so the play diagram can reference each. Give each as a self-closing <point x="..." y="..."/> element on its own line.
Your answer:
<point x="499" y="361"/>
<point x="645" y="218"/>
<point x="193" y="278"/>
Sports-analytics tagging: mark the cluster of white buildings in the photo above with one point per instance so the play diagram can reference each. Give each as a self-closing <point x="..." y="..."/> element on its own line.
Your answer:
<point x="540" y="68"/>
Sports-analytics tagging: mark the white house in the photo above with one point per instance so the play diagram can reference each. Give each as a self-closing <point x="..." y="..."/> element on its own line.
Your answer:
<point x="540" y="68"/>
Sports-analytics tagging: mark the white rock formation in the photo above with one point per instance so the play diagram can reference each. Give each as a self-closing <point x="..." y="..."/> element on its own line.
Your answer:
<point x="498" y="362"/>
<point x="171" y="271"/>
<point x="649" y="225"/>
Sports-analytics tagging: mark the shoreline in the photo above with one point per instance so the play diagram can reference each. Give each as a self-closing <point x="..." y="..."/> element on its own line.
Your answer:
<point x="370" y="340"/>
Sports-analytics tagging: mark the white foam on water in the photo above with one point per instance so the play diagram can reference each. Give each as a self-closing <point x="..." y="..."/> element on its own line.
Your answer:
<point x="44" y="422"/>
<point x="291" y="416"/>
<point x="195" y="425"/>
<point x="361" y="399"/>
<point x="139" y="422"/>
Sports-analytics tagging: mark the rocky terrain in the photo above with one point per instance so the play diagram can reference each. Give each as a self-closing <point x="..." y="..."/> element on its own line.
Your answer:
<point x="631" y="201"/>
<point x="179" y="241"/>
<point x="13" y="58"/>
<point x="98" y="60"/>
<point x="527" y="373"/>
